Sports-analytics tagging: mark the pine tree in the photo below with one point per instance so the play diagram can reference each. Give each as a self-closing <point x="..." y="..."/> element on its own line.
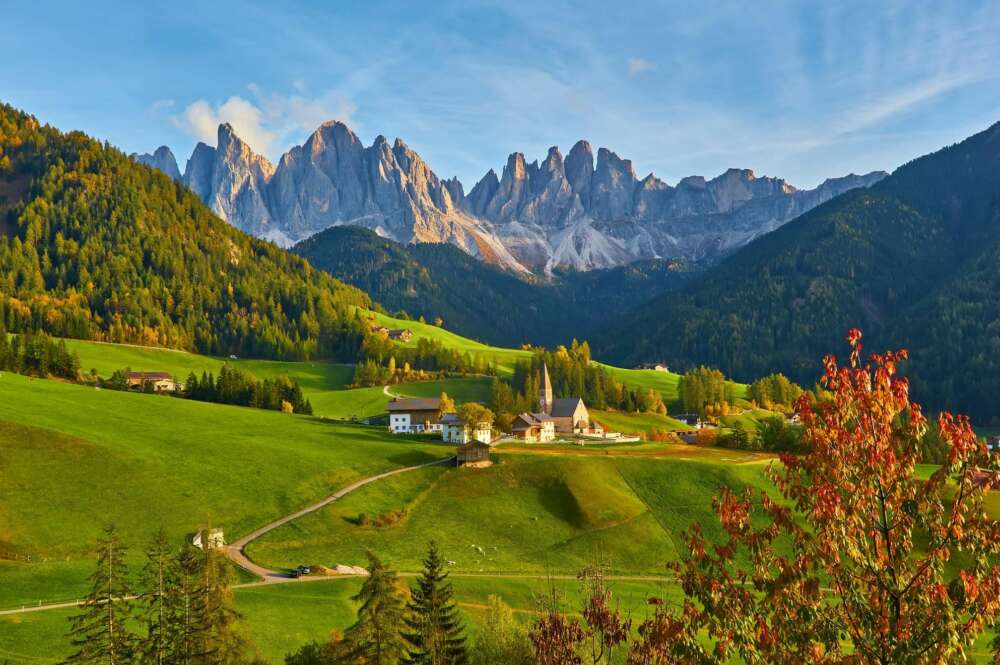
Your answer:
<point x="435" y="634"/>
<point x="375" y="638"/>
<point x="220" y="642"/>
<point x="100" y="632"/>
<point x="159" y="579"/>
<point x="188" y="618"/>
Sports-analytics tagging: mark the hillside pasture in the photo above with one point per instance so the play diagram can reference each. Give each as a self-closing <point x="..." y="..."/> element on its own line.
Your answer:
<point x="525" y="514"/>
<point x="74" y="458"/>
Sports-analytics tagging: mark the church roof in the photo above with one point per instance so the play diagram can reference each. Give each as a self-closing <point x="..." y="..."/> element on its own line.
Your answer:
<point x="565" y="406"/>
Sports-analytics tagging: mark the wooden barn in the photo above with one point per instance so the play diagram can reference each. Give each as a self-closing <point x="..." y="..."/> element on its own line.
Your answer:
<point x="475" y="454"/>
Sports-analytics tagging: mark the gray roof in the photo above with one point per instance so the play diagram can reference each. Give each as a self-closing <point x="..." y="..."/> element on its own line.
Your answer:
<point x="405" y="404"/>
<point x="531" y="419"/>
<point x="565" y="406"/>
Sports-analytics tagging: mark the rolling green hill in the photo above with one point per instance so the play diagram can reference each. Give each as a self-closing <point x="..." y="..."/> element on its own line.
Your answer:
<point x="532" y="513"/>
<point x="911" y="260"/>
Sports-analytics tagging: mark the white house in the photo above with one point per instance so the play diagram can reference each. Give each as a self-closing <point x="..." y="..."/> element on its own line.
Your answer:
<point x="453" y="431"/>
<point x="413" y="416"/>
<point x="211" y="538"/>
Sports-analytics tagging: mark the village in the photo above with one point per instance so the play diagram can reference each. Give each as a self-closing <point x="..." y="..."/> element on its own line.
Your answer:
<point x="475" y="435"/>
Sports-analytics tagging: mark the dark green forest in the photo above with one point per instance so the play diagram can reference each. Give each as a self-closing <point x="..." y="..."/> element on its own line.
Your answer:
<point x="477" y="300"/>
<point x="96" y="246"/>
<point x="914" y="261"/>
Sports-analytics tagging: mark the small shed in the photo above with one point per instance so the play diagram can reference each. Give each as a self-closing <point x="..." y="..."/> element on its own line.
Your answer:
<point x="475" y="454"/>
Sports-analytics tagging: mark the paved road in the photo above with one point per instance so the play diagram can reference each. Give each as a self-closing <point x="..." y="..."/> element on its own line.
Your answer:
<point x="237" y="550"/>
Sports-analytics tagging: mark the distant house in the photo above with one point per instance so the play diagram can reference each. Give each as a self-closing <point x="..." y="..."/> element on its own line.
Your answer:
<point x="412" y="416"/>
<point x="659" y="367"/>
<point x="534" y="428"/>
<point x="210" y="538"/>
<point x="474" y="454"/>
<point x="401" y="334"/>
<point x="380" y="330"/>
<point x="454" y="431"/>
<point x="690" y="419"/>
<point x="161" y="382"/>
<point x="993" y="444"/>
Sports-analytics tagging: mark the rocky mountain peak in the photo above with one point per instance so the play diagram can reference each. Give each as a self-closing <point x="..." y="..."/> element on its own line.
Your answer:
<point x="163" y="159"/>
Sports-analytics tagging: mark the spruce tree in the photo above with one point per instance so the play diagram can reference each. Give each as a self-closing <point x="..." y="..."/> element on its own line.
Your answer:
<point x="220" y="642"/>
<point x="100" y="632"/>
<point x="375" y="637"/>
<point x="158" y="602"/>
<point x="435" y="631"/>
<point x="188" y="617"/>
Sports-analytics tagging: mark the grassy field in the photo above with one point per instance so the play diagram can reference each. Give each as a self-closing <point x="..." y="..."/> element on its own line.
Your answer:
<point x="460" y="390"/>
<point x="73" y="459"/>
<point x="636" y="423"/>
<point x="279" y="619"/>
<point x="529" y="513"/>
<point x="503" y="358"/>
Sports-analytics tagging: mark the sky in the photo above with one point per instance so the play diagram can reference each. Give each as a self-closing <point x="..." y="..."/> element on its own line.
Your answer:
<point x="803" y="91"/>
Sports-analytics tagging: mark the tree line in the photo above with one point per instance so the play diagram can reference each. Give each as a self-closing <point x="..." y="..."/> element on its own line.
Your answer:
<point x="37" y="354"/>
<point x="231" y="386"/>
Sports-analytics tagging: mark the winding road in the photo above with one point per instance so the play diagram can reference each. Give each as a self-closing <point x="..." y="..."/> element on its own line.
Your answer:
<point x="237" y="551"/>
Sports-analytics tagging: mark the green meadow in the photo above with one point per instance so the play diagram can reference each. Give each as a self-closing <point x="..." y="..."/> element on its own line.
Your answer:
<point x="73" y="459"/>
<point x="525" y="514"/>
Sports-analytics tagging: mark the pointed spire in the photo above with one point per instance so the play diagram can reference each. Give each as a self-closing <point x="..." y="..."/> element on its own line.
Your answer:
<point x="545" y="393"/>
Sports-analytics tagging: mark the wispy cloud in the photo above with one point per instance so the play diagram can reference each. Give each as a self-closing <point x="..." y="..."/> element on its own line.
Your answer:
<point x="266" y="121"/>
<point x="201" y="120"/>
<point x="639" y="65"/>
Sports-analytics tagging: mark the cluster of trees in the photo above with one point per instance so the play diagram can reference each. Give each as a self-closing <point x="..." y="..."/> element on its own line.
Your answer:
<point x="232" y="386"/>
<point x="37" y="354"/>
<point x="181" y="613"/>
<point x="702" y="387"/>
<point x="388" y="361"/>
<point x="774" y="390"/>
<point x="419" y="625"/>
<point x="96" y="246"/>
<point x="370" y="373"/>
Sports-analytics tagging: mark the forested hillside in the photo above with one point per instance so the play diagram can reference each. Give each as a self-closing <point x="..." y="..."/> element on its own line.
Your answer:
<point x="96" y="246"/>
<point x="482" y="301"/>
<point x="913" y="261"/>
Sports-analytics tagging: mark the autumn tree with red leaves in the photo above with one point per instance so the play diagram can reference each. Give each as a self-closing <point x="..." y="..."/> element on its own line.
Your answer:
<point x="855" y="559"/>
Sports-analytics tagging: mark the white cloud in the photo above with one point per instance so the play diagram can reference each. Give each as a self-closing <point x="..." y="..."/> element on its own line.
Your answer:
<point x="269" y="123"/>
<point x="639" y="65"/>
<point x="201" y="120"/>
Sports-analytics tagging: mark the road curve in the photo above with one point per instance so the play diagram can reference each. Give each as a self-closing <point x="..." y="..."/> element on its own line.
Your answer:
<point x="236" y="551"/>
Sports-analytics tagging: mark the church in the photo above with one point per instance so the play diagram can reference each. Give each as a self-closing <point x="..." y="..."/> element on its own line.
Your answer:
<point x="566" y="415"/>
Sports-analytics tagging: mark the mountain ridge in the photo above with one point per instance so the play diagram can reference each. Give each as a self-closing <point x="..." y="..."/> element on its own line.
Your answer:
<point x="580" y="212"/>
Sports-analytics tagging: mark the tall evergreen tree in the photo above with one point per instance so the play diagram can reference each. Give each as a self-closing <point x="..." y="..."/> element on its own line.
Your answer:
<point x="375" y="637"/>
<point x="100" y="632"/>
<point x="220" y="643"/>
<point x="188" y="618"/>
<point x="158" y="606"/>
<point x="435" y="631"/>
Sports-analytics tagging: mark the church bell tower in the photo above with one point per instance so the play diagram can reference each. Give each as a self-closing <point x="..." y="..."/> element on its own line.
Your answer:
<point x="545" y="392"/>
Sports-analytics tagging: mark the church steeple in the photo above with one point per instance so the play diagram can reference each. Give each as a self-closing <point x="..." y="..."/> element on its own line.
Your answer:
<point x="545" y="393"/>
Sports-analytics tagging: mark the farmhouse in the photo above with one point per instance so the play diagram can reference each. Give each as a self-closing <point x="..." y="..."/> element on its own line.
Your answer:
<point x="659" y="367"/>
<point x="474" y="454"/>
<point x="412" y="416"/>
<point x="161" y="382"/>
<point x="454" y="430"/>
<point x="401" y="334"/>
<point x="534" y="428"/>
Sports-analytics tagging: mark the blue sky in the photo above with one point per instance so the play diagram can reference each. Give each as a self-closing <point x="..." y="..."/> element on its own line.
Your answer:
<point x="804" y="91"/>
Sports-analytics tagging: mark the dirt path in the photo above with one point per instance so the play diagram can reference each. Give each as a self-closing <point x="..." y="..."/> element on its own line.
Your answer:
<point x="237" y="551"/>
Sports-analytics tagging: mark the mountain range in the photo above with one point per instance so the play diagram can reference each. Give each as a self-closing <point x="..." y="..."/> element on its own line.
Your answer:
<point x="580" y="212"/>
